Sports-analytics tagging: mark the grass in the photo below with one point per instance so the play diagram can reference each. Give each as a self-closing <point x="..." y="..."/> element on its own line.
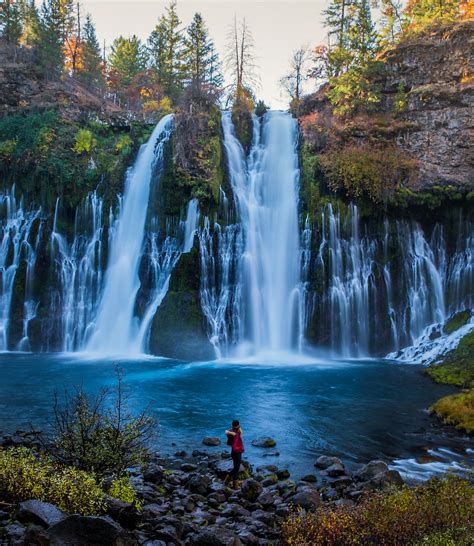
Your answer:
<point x="457" y="410"/>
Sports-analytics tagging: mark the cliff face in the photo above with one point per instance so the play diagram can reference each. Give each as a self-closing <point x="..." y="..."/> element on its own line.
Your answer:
<point x="431" y="129"/>
<point x="436" y="71"/>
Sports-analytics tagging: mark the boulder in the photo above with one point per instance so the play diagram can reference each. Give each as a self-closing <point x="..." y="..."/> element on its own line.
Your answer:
<point x="211" y="441"/>
<point x="251" y="489"/>
<point x="154" y="474"/>
<point x="283" y="474"/>
<point x="370" y="470"/>
<point x="85" y="531"/>
<point x="325" y="462"/>
<point x="199" y="483"/>
<point x="266" y="442"/>
<point x="214" y="536"/>
<point x="307" y="499"/>
<point x="335" y="470"/>
<point x="39" y="512"/>
<point x="123" y="512"/>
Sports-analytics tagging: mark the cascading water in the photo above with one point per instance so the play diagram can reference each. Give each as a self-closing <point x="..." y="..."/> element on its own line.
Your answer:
<point x="15" y="245"/>
<point x="116" y="329"/>
<point x="266" y="190"/>
<point x="79" y="270"/>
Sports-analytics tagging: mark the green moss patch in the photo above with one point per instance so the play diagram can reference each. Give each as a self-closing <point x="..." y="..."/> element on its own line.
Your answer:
<point x="457" y="410"/>
<point x="457" y="367"/>
<point x="457" y="321"/>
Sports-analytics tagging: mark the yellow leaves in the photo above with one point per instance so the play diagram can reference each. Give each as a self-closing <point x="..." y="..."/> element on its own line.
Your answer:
<point x="25" y="476"/>
<point x="122" y="489"/>
<point x="85" y="142"/>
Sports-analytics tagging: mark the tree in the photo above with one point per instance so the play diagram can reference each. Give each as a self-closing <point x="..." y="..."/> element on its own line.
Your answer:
<point x="49" y="38"/>
<point x="240" y="59"/>
<point x="292" y="82"/>
<point x="419" y="13"/>
<point x="127" y="59"/>
<point x="391" y="20"/>
<point x="10" y="21"/>
<point x="338" y="22"/>
<point x="91" y="70"/>
<point x="362" y="34"/>
<point x="30" y="19"/>
<point x="165" y="46"/>
<point x="201" y="58"/>
<point x="72" y="40"/>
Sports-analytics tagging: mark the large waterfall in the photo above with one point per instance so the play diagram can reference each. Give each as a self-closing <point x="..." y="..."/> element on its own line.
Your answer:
<point x="117" y="330"/>
<point x="266" y="190"/>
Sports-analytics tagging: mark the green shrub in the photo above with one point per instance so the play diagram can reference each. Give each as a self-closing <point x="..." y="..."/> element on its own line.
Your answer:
<point x="261" y="109"/>
<point x="457" y="410"/>
<point x="99" y="434"/>
<point x="364" y="170"/>
<point x="400" y="517"/>
<point x="122" y="489"/>
<point x="400" y="101"/>
<point x="24" y="476"/>
<point x="457" y="321"/>
<point x="7" y="147"/>
<point x="124" y="145"/>
<point x="85" y="142"/>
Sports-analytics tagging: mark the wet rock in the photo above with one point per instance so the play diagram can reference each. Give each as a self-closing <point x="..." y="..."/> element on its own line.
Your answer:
<point x="283" y="474"/>
<point x="251" y="489"/>
<point x="167" y="534"/>
<point x="307" y="499"/>
<point x="325" y="462"/>
<point x="211" y="441"/>
<point x="198" y="453"/>
<point x="181" y="454"/>
<point x="266" y="442"/>
<point x="41" y="513"/>
<point x="310" y="478"/>
<point x="123" y="512"/>
<point x="246" y="537"/>
<point x="235" y="511"/>
<point x="188" y="467"/>
<point x="154" y="474"/>
<point x="214" y="536"/>
<point x="266" y="499"/>
<point x="336" y="469"/>
<point x="15" y="534"/>
<point x="370" y="470"/>
<point x="83" y="530"/>
<point x="272" y="454"/>
<point x="199" y="483"/>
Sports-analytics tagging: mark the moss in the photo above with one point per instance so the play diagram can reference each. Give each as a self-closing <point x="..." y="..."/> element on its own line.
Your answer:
<point x="243" y="124"/>
<point x="457" y="410"/>
<point x="457" y="321"/>
<point x="457" y="367"/>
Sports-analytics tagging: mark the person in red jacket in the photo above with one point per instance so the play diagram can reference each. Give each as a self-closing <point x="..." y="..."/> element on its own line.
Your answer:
<point x="234" y="439"/>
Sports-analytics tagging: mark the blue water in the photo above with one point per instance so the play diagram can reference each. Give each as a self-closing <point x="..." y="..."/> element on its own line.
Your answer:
<point x="358" y="410"/>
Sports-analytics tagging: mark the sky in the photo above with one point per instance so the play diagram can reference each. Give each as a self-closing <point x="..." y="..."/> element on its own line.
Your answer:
<point x="279" y="27"/>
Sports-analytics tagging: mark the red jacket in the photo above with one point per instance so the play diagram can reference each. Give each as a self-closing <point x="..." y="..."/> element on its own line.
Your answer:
<point x="237" y="444"/>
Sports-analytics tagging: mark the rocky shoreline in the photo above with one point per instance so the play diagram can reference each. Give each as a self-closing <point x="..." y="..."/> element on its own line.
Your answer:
<point x="185" y="502"/>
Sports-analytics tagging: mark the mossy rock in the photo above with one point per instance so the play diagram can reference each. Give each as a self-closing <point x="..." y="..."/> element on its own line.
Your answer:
<point x="457" y="321"/>
<point x="457" y="410"/>
<point x="457" y="367"/>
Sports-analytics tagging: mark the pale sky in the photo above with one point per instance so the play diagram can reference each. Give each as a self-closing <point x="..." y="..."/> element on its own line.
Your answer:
<point x="278" y="26"/>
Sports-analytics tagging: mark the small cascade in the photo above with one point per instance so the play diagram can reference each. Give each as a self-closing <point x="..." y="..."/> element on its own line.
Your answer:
<point x="265" y="186"/>
<point x="220" y="297"/>
<point x="190" y="225"/>
<point x="15" y="232"/>
<point x="79" y="270"/>
<point x="306" y="298"/>
<point x="117" y="329"/>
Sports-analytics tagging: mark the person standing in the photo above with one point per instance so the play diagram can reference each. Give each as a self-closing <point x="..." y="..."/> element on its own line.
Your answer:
<point x="234" y="439"/>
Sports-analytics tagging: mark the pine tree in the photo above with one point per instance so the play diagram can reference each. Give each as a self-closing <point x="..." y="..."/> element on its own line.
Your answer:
<point x="362" y="34"/>
<point x="92" y="65"/>
<point x="49" y="39"/>
<point x="30" y="18"/>
<point x="10" y="21"/>
<point x="126" y="60"/>
<point x="201" y="58"/>
<point x="166" y="47"/>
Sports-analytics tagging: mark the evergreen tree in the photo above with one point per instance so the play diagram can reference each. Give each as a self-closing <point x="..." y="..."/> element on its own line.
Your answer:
<point x="49" y="39"/>
<point x="126" y="60"/>
<point x="201" y="58"/>
<point x="10" y="21"/>
<point x="166" y="47"/>
<point x="30" y="18"/>
<point x="362" y="34"/>
<point x="92" y="65"/>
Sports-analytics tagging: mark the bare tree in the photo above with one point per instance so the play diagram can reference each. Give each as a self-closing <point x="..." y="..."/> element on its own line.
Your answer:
<point x="240" y="60"/>
<point x="292" y="83"/>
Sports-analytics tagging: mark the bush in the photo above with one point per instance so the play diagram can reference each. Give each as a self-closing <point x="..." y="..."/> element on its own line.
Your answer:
<point x="457" y="410"/>
<point x="7" y="148"/>
<point x="24" y="476"/>
<point x="364" y="170"/>
<point x="124" y="145"/>
<point x="122" y="489"/>
<point x="261" y="109"/>
<point x="400" y="517"/>
<point x="85" y="142"/>
<point x="99" y="434"/>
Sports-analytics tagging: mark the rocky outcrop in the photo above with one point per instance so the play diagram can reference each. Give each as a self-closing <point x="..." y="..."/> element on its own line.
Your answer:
<point x="435" y="70"/>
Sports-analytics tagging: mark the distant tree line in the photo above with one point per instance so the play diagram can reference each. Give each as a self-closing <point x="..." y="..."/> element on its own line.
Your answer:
<point x="152" y="75"/>
<point x="349" y="61"/>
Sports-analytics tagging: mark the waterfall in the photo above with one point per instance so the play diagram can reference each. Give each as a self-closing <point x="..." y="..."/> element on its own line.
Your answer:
<point x="116" y="329"/>
<point x="190" y="225"/>
<point x="266" y="190"/>
<point x="79" y="271"/>
<point x="386" y="292"/>
<point x="15" y="245"/>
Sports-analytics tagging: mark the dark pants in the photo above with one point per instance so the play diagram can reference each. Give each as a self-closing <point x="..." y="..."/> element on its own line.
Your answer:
<point x="237" y="459"/>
